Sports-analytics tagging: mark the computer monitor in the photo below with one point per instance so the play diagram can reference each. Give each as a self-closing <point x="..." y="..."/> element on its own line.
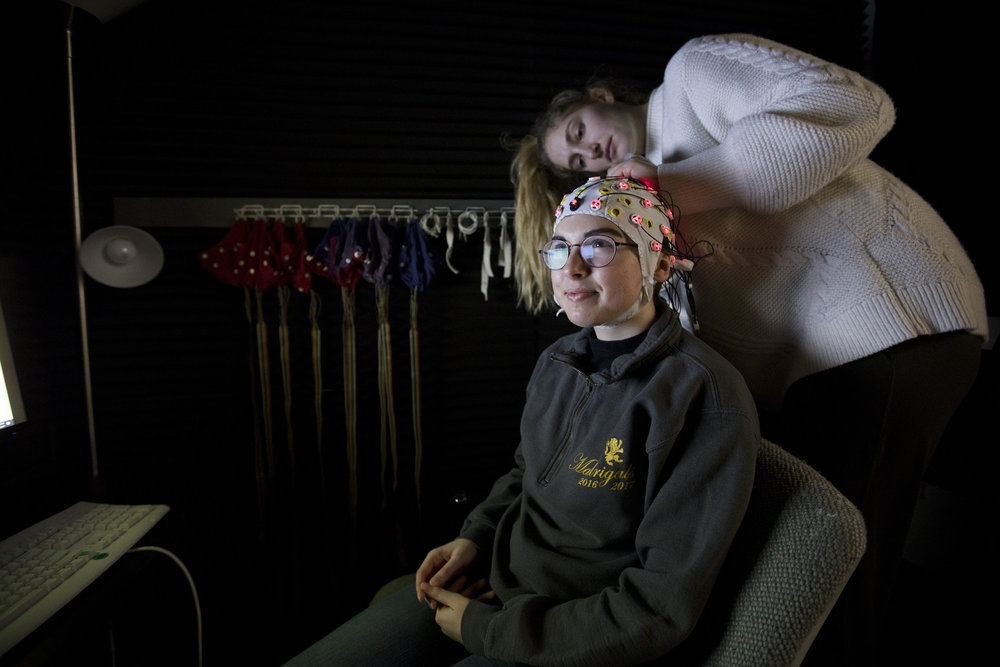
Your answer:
<point x="12" y="412"/>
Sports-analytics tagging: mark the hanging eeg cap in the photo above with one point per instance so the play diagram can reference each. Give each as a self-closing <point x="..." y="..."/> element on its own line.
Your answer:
<point x="635" y="208"/>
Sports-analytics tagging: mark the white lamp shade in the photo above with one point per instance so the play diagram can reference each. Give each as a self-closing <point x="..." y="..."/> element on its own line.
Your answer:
<point x="121" y="256"/>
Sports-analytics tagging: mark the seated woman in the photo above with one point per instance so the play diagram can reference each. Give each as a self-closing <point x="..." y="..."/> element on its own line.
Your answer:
<point x="636" y="461"/>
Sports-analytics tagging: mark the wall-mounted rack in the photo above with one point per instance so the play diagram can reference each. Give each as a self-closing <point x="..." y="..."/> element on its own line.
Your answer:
<point x="220" y="212"/>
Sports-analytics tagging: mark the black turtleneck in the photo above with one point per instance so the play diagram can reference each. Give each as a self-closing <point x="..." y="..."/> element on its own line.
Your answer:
<point x="603" y="352"/>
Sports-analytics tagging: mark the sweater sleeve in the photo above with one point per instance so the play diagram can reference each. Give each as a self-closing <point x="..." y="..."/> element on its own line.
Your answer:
<point x="681" y="543"/>
<point x="742" y="121"/>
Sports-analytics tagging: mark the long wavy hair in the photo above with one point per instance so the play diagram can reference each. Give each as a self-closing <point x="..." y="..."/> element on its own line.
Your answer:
<point x="539" y="186"/>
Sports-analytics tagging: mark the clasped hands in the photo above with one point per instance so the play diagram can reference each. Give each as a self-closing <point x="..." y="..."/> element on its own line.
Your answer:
<point x="446" y="583"/>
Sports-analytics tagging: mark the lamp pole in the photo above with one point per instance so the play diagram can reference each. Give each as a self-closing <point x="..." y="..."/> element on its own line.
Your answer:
<point x="77" y="240"/>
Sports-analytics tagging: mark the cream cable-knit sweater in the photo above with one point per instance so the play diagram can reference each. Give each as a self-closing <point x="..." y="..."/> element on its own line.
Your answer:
<point x="821" y="257"/>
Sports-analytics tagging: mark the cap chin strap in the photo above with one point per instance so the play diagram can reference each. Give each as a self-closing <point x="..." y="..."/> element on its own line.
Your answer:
<point x="621" y="319"/>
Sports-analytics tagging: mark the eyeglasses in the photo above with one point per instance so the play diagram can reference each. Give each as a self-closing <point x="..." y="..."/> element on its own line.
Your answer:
<point x="597" y="251"/>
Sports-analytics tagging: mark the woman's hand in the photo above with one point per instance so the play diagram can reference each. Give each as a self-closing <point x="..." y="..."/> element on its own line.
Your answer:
<point x="448" y="567"/>
<point x="449" y="608"/>
<point x="637" y="168"/>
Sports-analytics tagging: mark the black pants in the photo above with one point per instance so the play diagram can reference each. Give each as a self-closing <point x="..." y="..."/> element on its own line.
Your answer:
<point x="871" y="427"/>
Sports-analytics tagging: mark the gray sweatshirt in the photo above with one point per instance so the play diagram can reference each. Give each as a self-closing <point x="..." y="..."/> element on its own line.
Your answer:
<point x="629" y="485"/>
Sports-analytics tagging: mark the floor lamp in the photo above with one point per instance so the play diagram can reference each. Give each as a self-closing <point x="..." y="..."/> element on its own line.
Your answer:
<point x="119" y="256"/>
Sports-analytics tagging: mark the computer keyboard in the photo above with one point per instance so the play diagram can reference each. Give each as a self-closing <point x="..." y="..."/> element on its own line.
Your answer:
<point x="46" y="565"/>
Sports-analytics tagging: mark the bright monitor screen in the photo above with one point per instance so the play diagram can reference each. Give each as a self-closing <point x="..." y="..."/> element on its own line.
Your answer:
<point x="11" y="405"/>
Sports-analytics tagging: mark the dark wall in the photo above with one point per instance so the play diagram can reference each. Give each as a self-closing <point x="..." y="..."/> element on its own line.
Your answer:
<point x="300" y="99"/>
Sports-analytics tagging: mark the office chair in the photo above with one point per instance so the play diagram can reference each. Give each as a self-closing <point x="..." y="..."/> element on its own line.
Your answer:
<point x="799" y="543"/>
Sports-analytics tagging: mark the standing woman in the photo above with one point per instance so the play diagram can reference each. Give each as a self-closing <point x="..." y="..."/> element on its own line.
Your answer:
<point x="844" y="299"/>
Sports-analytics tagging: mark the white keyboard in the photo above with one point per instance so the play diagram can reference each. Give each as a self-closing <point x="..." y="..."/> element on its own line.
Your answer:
<point x="46" y="565"/>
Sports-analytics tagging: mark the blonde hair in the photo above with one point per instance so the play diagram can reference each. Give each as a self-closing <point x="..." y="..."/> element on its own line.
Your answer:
<point x="536" y="196"/>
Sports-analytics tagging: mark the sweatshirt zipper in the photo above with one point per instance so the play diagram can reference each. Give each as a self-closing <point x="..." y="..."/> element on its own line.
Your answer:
<point x="560" y="454"/>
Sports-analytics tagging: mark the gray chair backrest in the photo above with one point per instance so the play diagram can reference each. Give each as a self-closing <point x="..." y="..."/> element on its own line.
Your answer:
<point x="798" y="545"/>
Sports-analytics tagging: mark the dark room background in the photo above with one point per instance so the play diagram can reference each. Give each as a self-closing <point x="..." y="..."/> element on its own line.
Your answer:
<point x="197" y="102"/>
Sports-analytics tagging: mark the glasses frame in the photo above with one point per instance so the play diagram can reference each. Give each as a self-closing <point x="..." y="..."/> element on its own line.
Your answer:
<point x="587" y="241"/>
